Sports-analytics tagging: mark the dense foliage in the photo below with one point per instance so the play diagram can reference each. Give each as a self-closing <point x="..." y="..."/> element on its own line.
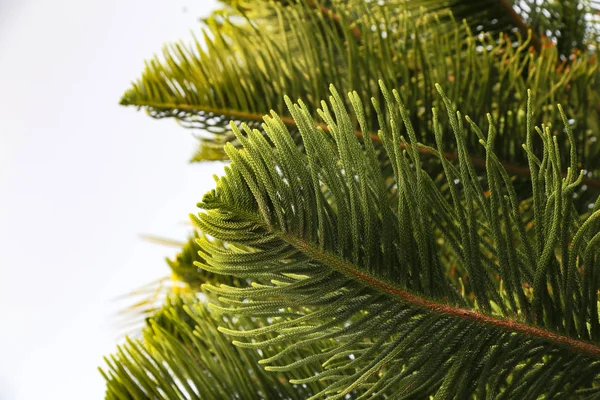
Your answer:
<point x="411" y="208"/>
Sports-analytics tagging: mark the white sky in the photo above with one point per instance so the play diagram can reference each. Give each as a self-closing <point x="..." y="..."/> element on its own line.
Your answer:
<point x="80" y="179"/>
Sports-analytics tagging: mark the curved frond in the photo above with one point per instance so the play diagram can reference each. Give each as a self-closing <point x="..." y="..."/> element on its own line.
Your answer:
<point x="245" y="66"/>
<point x="185" y="270"/>
<point x="182" y="355"/>
<point x="186" y="278"/>
<point x="424" y="295"/>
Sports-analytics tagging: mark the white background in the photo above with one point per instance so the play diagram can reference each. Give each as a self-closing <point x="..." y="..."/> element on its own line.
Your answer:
<point x="80" y="179"/>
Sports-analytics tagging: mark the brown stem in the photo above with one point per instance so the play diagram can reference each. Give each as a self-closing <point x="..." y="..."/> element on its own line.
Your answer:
<point x="523" y="27"/>
<point x="348" y="269"/>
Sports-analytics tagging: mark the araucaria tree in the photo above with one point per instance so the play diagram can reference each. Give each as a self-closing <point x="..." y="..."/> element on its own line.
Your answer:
<point x="411" y="208"/>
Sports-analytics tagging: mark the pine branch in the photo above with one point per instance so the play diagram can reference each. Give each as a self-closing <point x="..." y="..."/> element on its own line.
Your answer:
<point x="351" y="257"/>
<point x="206" y="95"/>
<point x="183" y="355"/>
<point x="416" y="291"/>
<point x="353" y="271"/>
<point x="185" y="278"/>
<point x="478" y="162"/>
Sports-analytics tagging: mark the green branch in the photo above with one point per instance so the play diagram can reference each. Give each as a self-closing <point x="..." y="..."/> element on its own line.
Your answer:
<point x="350" y="270"/>
<point x="390" y="268"/>
<point x="478" y="162"/>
